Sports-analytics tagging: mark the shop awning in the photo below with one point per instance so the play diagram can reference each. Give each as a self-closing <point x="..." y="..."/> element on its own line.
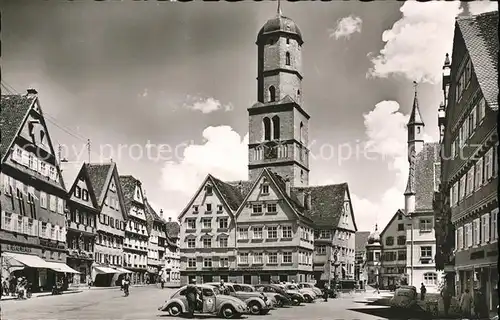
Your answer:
<point x="122" y="270"/>
<point x="27" y="259"/>
<point x="102" y="270"/>
<point x="62" y="267"/>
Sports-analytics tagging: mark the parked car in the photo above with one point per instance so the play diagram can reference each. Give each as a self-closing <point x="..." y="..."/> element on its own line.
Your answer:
<point x="250" y="288"/>
<point x="293" y="298"/>
<point x="214" y="302"/>
<point x="405" y="297"/>
<point x="257" y="302"/>
<point x="309" y="294"/>
<point x="306" y="285"/>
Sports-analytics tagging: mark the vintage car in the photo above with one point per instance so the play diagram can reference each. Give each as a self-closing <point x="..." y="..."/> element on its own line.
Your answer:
<point x="308" y="294"/>
<point x="278" y="299"/>
<point x="256" y="302"/>
<point x="214" y="303"/>
<point x="249" y="288"/>
<point x="306" y="285"/>
<point x="405" y="297"/>
<point x="293" y="299"/>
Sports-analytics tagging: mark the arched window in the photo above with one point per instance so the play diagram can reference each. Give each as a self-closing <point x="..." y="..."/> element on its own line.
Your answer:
<point x="287" y="56"/>
<point x="301" y="132"/>
<point x="276" y="128"/>
<point x="272" y="93"/>
<point x="267" y="128"/>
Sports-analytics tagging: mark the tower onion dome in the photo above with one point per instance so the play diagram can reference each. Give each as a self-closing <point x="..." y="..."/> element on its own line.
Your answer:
<point x="280" y="24"/>
<point x="374" y="237"/>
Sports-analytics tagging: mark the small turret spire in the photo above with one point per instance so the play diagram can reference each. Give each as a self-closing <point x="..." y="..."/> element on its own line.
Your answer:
<point x="415" y="116"/>
<point x="279" y="8"/>
<point x="447" y="60"/>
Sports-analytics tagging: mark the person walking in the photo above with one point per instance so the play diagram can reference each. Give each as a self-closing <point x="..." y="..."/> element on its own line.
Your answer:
<point x="126" y="286"/>
<point x="480" y="305"/>
<point x="446" y="296"/>
<point x="192" y="294"/>
<point x="423" y="290"/>
<point x="326" y="291"/>
<point x="466" y="304"/>
<point x="162" y="282"/>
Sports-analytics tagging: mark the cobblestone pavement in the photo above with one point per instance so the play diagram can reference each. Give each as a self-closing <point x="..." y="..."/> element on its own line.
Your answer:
<point x="143" y="302"/>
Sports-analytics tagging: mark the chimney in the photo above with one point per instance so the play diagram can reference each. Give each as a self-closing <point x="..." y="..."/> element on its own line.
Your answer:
<point x="31" y="92"/>
<point x="161" y="213"/>
<point x="288" y="186"/>
<point x="169" y="219"/>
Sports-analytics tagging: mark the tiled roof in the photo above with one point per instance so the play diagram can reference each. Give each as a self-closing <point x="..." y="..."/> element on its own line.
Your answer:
<point x="13" y="109"/>
<point x="98" y="174"/>
<point x="361" y="238"/>
<point x="233" y="193"/>
<point x="480" y="34"/>
<point x="327" y="203"/>
<point x="128" y="184"/>
<point x="173" y="229"/>
<point x="152" y="212"/>
<point x="424" y="176"/>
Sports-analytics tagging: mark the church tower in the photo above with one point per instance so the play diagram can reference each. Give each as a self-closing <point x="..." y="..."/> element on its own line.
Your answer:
<point x="415" y="128"/>
<point x="278" y="125"/>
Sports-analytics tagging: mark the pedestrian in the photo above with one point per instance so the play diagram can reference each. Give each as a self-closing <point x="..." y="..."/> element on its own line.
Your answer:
<point x="423" y="290"/>
<point x="480" y="305"/>
<point x="446" y="296"/>
<point x="162" y="282"/>
<point x="466" y="304"/>
<point x="126" y="286"/>
<point x="326" y="291"/>
<point x="13" y="285"/>
<point x="192" y="294"/>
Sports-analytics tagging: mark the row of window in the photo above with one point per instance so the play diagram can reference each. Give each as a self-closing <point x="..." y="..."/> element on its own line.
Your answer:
<point x="81" y="193"/>
<point x="208" y="207"/>
<point x="206" y="223"/>
<point x="401" y="241"/>
<point x="269" y="232"/>
<point x="110" y="241"/>
<point x="75" y="242"/>
<point x="31" y="161"/>
<point x="260" y="208"/>
<point x="478" y="175"/>
<point x="480" y="231"/>
<point x="207" y="242"/>
<point x="112" y="222"/>
<point x="106" y="258"/>
<point x="138" y="227"/>
<point x="112" y="202"/>
<point x="469" y="125"/>
<point x="340" y="251"/>
<point x="464" y="79"/>
<point x="136" y="243"/>
<point x="82" y="217"/>
<point x="24" y="225"/>
<point x="259" y="257"/>
<point x="54" y="204"/>
<point x="395" y="255"/>
<point x="135" y="259"/>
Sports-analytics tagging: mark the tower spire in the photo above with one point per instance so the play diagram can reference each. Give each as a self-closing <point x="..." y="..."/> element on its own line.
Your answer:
<point x="415" y="116"/>
<point x="279" y="8"/>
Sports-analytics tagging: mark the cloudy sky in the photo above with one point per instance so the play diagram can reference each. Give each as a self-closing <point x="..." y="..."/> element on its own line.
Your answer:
<point x="163" y="88"/>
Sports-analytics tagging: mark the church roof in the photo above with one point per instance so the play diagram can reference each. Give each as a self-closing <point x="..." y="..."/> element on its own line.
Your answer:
<point x="480" y="34"/>
<point x="13" y="109"/>
<point x="280" y="23"/>
<point x="415" y="115"/>
<point x="425" y="175"/>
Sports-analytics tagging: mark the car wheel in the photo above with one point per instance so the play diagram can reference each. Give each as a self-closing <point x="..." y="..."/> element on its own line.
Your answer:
<point x="174" y="309"/>
<point x="264" y="311"/>
<point x="228" y="312"/>
<point x="295" y="302"/>
<point x="254" y="307"/>
<point x="309" y="299"/>
<point x="279" y="303"/>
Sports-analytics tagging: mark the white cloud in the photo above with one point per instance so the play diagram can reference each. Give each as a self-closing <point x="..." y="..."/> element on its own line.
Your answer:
<point x="416" y="44"/>
<point x="206" y="105"/>
<point x="478" y="7"/>
<point x="346" y="27"/>
<point x="224" y="154"/>
<point x="387" y="136"/>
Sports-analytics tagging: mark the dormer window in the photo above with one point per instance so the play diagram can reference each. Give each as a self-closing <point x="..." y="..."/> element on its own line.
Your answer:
<point x="219" y="208"/>
<point x="208" y="190"/>
<point x="265" y="188"/>
<point x="195" y="209"/>
<point x="85" y="195"/>
<point x="78" y="192"/>
<point x="209" y="207"/>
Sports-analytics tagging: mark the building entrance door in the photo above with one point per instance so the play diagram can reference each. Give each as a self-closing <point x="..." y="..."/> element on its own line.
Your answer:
<point x="247" y="279"/>
<point x="283" y="278"/>
<point x="208" y="278"/>
<point x="265" y="279"/>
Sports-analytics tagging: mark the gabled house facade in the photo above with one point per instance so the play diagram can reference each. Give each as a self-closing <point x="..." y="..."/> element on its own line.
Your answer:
<point x="467" y="204"/>
<point x="81" y="220"/>
<point x="393" y="255"/>
<point x="274" y="237"/>
<point x="207" y="232"/>
<point x="111" y="223"/>
<point x="136" y="232"/>
<point x="33" y="195"/>
<point x="156" y="243"/>
<point x="171" y="271"/>
<point x="361" y="240"/>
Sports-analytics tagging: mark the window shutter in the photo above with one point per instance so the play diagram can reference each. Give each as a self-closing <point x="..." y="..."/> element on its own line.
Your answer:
<point x="486" y="227"/>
